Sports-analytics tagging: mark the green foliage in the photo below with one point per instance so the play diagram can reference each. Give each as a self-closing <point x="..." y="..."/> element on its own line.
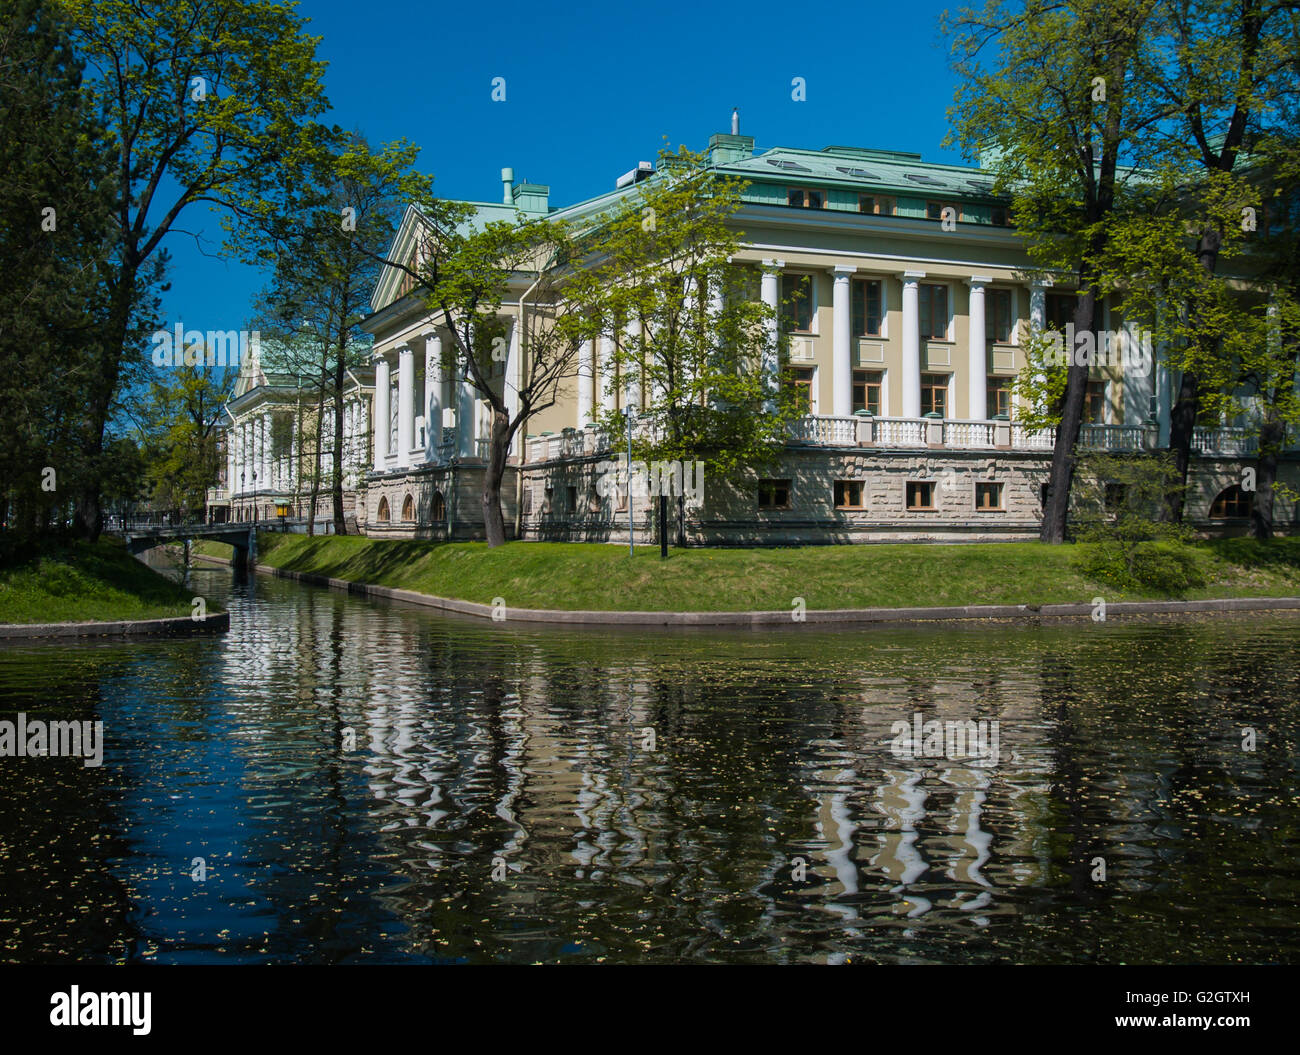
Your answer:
<point x="1119" y="519"/>
<point x="203" y="101"/>
<point x="701" y="339"/>
<point x="56" y="193"/>
<point x="178" y="419"/>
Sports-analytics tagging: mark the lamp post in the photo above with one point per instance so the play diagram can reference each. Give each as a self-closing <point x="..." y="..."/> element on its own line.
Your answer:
<point x="631" y="545"/>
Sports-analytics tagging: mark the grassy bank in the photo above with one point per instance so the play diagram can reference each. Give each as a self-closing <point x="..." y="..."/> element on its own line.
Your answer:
<point x="577" y="576"/>
<point x="88" y="583"/>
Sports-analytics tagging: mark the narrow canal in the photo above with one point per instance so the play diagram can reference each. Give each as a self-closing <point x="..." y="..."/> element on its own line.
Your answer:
<point x="345" y="780"/>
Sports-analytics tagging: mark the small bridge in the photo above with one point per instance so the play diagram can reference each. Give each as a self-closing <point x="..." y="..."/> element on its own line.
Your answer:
<point x="242" y="537"/>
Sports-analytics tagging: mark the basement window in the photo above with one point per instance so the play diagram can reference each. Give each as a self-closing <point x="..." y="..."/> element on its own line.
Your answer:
<point x="988" y="497"/>
<point x="848" y="494"/>
<point x="920" y="495"/>
<point x="773" y="494"/>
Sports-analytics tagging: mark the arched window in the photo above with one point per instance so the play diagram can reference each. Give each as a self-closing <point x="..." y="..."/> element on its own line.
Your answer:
<point x="383" y="514"/>
<point x="408" y="508"/>
<point x="439" y="510"/>
<point x="1232" y="504"/>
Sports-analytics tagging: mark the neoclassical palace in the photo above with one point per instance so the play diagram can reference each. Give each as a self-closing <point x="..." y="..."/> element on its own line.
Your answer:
<point x="907" y="297"/>
<point x="272" y="432"/>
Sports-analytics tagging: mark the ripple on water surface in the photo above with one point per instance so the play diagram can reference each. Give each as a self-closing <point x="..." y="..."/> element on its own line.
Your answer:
<point x="342" y="780"/>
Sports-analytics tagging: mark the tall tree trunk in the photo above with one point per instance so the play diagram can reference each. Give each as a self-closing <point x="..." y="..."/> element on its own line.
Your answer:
<point x="88" y="521"/>
<point x="1272" y="434"/>
<point x="1067" y="432"/>
<point x="340" y="378"/>
<point x="494" y="524"/>
<point x="1182" y="428"/>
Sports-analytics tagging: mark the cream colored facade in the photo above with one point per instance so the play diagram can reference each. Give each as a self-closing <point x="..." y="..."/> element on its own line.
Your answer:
<point x="957" y="298"/>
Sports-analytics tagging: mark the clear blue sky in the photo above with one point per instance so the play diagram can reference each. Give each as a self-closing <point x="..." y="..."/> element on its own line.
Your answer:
<point x="591" y="89"/>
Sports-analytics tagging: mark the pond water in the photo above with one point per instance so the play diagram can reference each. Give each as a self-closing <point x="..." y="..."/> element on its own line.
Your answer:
<point x="345" y="780"/>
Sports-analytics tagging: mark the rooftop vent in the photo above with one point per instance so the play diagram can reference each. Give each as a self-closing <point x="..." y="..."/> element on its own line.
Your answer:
<point x="928" y="181"/>
<point x="981" y="185"/>
<point x="789" y="166"/>
<point x="643" y="170"/>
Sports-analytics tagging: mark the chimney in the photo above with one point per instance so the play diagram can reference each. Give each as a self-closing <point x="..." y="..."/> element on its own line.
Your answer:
<point x="508" y="193"/>
<point x="726" y="149"/>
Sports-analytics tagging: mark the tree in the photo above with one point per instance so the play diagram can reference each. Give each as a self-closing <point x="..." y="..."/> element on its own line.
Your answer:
<point x="701" y="340"/>
<point x="467" y="272"/>
<point x="325" y="229"/>
<point x="1232" y="64"/>
<point x="178" y="420"/>
<point x="203" y="102"/>
<point x="1063" y="104"/>
<point x="56" y="191"/>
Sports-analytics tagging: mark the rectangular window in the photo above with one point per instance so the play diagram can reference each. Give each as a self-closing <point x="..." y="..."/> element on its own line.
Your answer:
<point x="864" y="301"/>
<point x="934" y="210"/>
<point x="997" y="315"/>
<point x="999" y="396"/>
<point x="1060" y="310"/>
<point x="773" y="494"/>
<point x="920" y="495"/>
<point x="848" y="494"/>
<point x="805" y="199"/>
<point x="572" y="496"/>
<point x="800" y="380"/>
<point x="934" y="394"/>
<point x="1115" y="497"/>
<point x="797" y="302"/>
<point x="1000" y="216"/>
<point x="877" y="205"/>
<point x="1094" y="403"/>
<point x="866" y="391"/>
<point x="988" y="496"/>
<point x="932" y="304"/>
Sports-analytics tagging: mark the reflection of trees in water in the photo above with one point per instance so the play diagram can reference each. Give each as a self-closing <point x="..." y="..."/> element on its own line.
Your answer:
<point x="478" y="742"/>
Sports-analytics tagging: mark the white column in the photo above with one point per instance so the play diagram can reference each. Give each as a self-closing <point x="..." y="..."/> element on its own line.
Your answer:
<point x="715" y="312"/>
<point x="1038" y="306"/>
<point x="770" y="292"/>
<point x="405" y="404"/>
<point x="586" y="377"/>
<point x="977" y="352"/>
<point x="466" y="408"/>
<point x="236" y="485"/>
<point x="911" y="380"/>
<point x="842" y="343"/>
<point x="432" y="392"/>
<point x="264" y="448"/>
<point x="510" y="383"/>
<point x="382" y="385"/>
<point x="606" y="380"/>
<point x="632" y="391"/>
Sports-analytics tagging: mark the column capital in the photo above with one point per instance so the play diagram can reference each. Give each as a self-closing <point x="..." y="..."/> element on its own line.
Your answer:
<point x="771" y="265"/>
<point x="977" y="281"/>
<point x="404" y="349"/>
<point x="843" y="270"/>
<point x="911" y="276"/>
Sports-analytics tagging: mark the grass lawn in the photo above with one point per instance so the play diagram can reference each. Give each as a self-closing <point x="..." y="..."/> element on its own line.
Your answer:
<point x="597" y="576"/>
<point x="88" y="583"/>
